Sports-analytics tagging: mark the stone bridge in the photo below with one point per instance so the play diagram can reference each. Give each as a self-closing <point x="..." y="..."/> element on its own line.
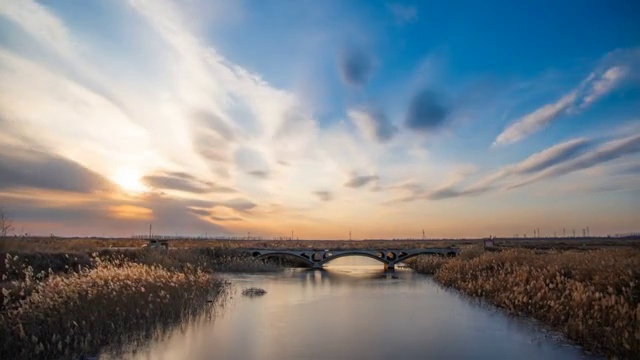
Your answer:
<point x="317" y="258"/>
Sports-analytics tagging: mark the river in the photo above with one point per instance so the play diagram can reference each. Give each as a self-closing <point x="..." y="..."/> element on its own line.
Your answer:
<point x="355" y="310"/>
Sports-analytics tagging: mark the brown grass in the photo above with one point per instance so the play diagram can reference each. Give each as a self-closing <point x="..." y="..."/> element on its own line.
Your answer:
<point x="210" y="259"/>
<point x="113" y="303"/>
<point x="593" y="297"/>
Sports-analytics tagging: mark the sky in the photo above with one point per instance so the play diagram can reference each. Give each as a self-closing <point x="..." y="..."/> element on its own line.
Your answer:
<point x="314" y="119"/>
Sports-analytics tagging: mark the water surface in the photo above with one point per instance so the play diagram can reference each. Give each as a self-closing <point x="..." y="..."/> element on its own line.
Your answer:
<point x="355" y="312"/>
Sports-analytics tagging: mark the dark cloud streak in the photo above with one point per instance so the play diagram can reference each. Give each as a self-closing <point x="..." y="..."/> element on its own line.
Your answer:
<point x="324" y="195"/>
<point x="360" y="181"/>
<point x="355" y="65"/>
<point x="450" y="192"/>
<point x="426" y="112"/>
<point x="31" y="168"/>
<point x="259" y="174"/>
<point x="237" y="204"/>
<point x="183" y="182"/>
<point x="552" y="156"/>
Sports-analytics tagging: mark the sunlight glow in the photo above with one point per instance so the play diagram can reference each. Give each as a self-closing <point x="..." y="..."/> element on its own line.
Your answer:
<point x="129" y="181"/>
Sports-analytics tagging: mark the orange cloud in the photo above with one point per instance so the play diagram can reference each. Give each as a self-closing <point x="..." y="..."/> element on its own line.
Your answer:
<point x="130" y="212"/>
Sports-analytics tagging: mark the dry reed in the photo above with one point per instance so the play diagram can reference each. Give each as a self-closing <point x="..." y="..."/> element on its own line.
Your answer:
<point x="593" y="297"/>
<point x="115" y="302"/>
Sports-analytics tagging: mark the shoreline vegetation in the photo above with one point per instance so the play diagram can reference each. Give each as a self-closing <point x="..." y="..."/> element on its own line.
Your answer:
<point x="78" y="298"/>
<point x="592" y="297"/>
<point x="79" y="305"/>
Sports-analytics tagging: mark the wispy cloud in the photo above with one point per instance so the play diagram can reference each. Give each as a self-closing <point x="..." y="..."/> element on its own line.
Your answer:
<point x="603" y="84"/>
<point x="87" y="112"/>
<point x="606" y="152"/>
<point x="609" y="75"/>
<point x="560" y="159"/>
<point x="358" y="181"/>
<point x="450" y="188"/>
<point x="225" y="218"/>
<point x="446" y="193"/>
<point x="534" y="163"/>
<point x="39" y="22"/>
<point x="204" y="116"/>
<point x="183" y="182"/>
<point x="533" y="122"/>
<point x="549" y="157"/>
<point x="238" y="204"/>
<point x="373" y="123"/>
<point x="324" y="195"/>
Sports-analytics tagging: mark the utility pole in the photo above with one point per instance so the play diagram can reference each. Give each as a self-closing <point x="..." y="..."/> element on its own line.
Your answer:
<point x="349" y="235"/>
<point x="574" y="232"/>
<point x="150" y="225"/>
<point x="291" y="234"/>
<point x="564" y="234"/>
<point x="423" y="234"/>
<point x="588" y="233"/>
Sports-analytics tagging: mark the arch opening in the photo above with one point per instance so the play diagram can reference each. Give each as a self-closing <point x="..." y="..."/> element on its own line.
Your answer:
<point x="355" y="255"/>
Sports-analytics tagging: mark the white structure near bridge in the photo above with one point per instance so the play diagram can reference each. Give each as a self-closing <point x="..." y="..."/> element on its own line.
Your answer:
<point x="317" y="258"/>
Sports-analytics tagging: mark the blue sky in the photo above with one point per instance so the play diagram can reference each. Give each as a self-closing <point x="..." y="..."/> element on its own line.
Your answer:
<point x="461" y="118"/>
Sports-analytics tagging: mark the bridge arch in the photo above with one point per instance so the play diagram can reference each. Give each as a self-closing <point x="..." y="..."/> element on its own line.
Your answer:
<point x="355" y="253"/>
<point x="318" y="258"/>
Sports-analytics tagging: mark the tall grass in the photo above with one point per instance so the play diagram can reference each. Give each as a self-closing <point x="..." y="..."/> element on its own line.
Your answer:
<point x="591" y="296"/>
<point x="115" y="302"/>
<point x="209" y="259"/>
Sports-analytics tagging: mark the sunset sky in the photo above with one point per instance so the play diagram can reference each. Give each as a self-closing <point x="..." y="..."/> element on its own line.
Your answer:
<point x="462" y="118"/>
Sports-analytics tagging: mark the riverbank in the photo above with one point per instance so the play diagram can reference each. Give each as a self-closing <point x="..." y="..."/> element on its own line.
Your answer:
<point x="76" y="305"/>
<point x="593" y="297"/>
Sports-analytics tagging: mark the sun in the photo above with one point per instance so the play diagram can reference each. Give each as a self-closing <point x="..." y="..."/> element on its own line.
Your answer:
<point x="129" y="181"/>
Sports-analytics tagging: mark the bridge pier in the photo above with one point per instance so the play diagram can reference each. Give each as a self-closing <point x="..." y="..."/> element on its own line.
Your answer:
<point x="316" y="266"/>
<point x="391" y="266"/>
